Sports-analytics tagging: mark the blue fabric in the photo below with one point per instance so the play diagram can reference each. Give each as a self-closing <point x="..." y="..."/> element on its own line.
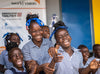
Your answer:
<point x="19" y="37"/>
<point x="36" y="19"/>
<point x="69" y="64"/>
<point x="4" y="59"/>
<point x="5" y="35"/>
<point x="10" y="71"/>
<point x="39" y="54"/>
<point x="60" y="27"/>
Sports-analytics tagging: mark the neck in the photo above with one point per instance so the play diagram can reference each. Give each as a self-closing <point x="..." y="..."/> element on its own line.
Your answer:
<point x="38" y="43"/>
<point x="20" y="68"/>
<point x="84" y="62"/>
<point x="68" y="50"/>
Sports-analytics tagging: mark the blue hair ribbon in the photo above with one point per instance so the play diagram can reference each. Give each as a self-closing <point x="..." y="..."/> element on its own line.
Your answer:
<point x="37" y="20"/>
<point x="60" y="27"/>
<point x="5" y="35"/>
<point x="19" y="37"/>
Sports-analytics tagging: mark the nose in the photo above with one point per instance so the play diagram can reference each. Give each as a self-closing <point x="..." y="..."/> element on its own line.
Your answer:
<point x="17" y="56"/>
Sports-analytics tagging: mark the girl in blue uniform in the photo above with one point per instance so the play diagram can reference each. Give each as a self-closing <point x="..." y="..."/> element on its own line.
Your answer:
<point x="36" y="50"/>
<point x="11" y="40"/>
<point x="16" y="57"/>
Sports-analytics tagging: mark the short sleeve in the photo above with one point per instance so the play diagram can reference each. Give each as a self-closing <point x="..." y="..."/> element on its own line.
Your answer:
<point x="26" y="53"/>
<point x="8" y="72"/>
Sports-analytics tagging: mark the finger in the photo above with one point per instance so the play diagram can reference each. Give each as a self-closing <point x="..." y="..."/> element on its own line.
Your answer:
<point x="56" y="48"/>
<point x="49" y="69"/>
<point x="59" y="54"/>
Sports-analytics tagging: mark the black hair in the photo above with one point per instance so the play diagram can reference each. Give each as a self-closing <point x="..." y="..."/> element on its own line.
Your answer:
<point x="95" y="46"/>
<point x="12" y="49"/>
<point x="8" y="37"/>
<point x="59" y="23"/>
<point x="81" y="46"/>
<point x="29" y="16"/>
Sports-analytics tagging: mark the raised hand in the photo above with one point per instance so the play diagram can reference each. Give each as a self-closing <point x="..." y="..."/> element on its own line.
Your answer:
<point x="53" y="51"/>
<point x="94" y="64"/>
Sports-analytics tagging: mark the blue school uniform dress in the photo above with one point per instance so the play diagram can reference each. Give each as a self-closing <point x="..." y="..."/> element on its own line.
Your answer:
<point x="89" y="61"/>
<point x="4" y="59"/>
<point x="39" y="54"/>
<point x="14" y="70"/>
<point x="69" y="64"/>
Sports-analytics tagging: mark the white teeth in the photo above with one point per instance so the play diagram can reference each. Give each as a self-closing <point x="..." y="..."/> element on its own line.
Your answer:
<point x="87" y="56"/>
<point x="19" y="62"/>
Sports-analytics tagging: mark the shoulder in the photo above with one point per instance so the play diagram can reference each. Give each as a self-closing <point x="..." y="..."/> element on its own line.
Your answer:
<point x="8" y="72"/>
<point x="4" y="52"/>
<point x="28" y="43"/>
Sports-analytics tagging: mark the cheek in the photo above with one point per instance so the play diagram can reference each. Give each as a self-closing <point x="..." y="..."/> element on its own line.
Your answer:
<point x="33" y="34"/>
<point x="84" y="54"/>
<point x="22" y="57"/>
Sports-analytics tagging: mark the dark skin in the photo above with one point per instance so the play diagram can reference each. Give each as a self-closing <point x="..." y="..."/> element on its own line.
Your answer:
<point x="46" y="32"/>
<point x="17" y="58"/>
<point x="85" y="53"/>
<point x="64" y="40"/>
<point x="97" y="55"/>
<point x="97" y="52"/>
<point x="13" y="38"/>
<point x="37" y="35"/>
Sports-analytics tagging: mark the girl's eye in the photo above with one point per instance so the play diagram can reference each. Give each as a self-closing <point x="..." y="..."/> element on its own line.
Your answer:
<point x="13" y="56"/>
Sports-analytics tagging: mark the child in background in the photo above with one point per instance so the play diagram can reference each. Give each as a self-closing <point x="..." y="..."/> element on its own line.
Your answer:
<point x="11" y="40"/>
<point x="46" y="32"/>
<point x="96" y="58"/>
<point x="16" y="57"/>
<point x="85" y="52"/>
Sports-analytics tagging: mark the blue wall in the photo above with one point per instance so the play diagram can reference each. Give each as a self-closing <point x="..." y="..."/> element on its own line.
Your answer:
<point x="76" y="15"/>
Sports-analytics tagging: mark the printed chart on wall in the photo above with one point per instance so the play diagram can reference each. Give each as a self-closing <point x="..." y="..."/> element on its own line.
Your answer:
<point x="13" y="17"/>
<point x="76" y="15"/>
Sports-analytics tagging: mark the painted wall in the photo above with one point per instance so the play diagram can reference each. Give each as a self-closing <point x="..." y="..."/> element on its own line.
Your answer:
<point x="96" y="18"/>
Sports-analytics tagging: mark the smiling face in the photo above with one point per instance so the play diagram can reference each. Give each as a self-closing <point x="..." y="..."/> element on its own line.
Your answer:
<point x="97" y="51"/>
<point x="36" y="31"/>
<point x="16" y="57"/>
<point x="63" y="38"/>
<point x="85" y="53"/>
<point x="46" y="32"/>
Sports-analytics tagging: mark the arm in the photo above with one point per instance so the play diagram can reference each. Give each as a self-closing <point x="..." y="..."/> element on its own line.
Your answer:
<point x="92" y="68"/>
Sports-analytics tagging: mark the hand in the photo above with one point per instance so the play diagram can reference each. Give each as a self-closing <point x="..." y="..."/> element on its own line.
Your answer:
<point x="31" y="66"/>
<point x="47" y="69"/>
<point x="94" y="64"/>
<point x="53" y="50"/>
<point x="58" y="58"/>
